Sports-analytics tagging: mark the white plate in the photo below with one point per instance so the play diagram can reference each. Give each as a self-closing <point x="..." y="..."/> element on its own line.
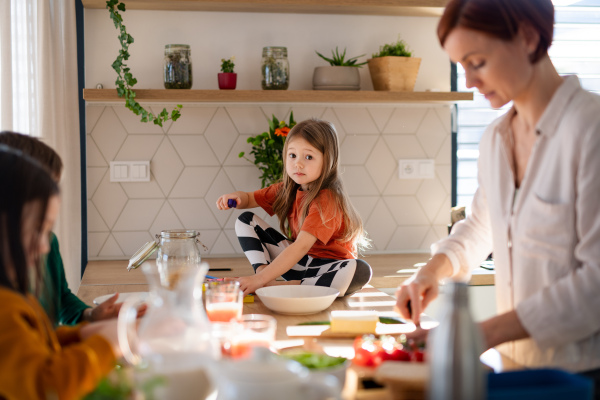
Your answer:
<point x="122" y="297"/>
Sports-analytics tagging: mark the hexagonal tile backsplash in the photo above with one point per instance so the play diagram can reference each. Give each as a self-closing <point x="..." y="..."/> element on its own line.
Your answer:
<point x="195" y="160"/>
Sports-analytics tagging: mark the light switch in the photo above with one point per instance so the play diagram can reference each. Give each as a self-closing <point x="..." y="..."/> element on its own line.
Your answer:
<point x="130" y="171"/>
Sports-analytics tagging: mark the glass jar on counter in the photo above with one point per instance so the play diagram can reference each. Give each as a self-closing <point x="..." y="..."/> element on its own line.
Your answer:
<point x="275" y="68"/>
<point x="178" y="66"/>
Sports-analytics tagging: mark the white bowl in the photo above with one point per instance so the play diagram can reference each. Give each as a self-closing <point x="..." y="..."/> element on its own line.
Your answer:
<point x="297" y="299"/>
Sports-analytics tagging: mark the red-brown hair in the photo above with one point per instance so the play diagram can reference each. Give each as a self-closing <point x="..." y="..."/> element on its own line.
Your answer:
<point x="500" y="19"/>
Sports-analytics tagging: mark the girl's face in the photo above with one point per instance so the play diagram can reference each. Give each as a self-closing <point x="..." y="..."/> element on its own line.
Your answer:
<point x="304" y="163"/>
<point x="31" y="216"/>
<point x="499" y="69"/>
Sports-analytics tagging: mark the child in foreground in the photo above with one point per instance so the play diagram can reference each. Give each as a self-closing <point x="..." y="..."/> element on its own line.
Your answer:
<point x="62" y="306"/>
<point x="37" y="361"/>
<point x="324" y="230"/>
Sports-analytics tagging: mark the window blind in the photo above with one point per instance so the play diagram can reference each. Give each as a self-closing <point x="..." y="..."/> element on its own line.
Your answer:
<point x="575" y="50"/>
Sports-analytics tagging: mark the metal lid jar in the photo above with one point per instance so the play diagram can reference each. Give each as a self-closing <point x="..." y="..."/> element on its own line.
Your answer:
<point x="275" y="68"/>
<point x="178" y="66"/>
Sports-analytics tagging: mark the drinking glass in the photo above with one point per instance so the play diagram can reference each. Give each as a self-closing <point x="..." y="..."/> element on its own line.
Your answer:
<point x="224" y="301"/>
<point x="257" y="330"/>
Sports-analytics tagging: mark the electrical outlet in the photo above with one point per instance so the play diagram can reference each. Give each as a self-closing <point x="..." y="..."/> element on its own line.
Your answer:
<point x="130" y="171"/>
<point x="416" y="169"/>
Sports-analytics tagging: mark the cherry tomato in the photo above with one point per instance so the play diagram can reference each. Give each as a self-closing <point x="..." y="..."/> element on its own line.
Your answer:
<point x="366" y="351"/>
<point x="417" y="355"/>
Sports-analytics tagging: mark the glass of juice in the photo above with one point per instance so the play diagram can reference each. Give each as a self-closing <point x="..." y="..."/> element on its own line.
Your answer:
<point x="256" y="330"/>
<point x="224" y="301"/>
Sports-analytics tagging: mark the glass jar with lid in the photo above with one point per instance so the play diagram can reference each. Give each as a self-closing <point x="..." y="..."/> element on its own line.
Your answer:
<point x="275" y="68"/>
<point x="178" y="66"/>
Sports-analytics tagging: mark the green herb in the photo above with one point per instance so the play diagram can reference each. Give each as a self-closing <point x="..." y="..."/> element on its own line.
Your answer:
<point x="391" y="320"/>
<point x="315" y="360"/>
<point x="267" y="148"/>
<point x="397" y="49"/>
<point x="337" y="59"/>
<point x="118" y="385"/>
<point x="227" y="65"/>
<point x="125" y="80"/>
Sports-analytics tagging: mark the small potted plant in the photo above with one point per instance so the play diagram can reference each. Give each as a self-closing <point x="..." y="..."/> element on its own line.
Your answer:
<point x="341" y="74"/>
<point x="267" y="149"/>
<point x="394" y="68"/>
<point x="227" y="78"/>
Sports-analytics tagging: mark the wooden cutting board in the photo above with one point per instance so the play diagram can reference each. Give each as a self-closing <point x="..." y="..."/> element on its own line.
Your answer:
<point x="325" y="330"/>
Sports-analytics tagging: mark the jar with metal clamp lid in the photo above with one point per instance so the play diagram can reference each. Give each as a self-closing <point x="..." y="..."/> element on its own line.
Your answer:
<point x="176" y="248"/>
<point x="275" y="68"/>
<point x="178" y="66"/>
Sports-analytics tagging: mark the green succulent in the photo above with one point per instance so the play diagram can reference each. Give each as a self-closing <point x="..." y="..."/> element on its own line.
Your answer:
<point x="337" y="59"/>
<point x="398" y="49"/>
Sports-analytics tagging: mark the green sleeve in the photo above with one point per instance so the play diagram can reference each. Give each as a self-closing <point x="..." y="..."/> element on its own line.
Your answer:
<point x="64" y="305"/>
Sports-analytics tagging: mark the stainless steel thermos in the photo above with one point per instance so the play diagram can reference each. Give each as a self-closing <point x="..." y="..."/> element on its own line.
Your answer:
<point x="454" y="349"/>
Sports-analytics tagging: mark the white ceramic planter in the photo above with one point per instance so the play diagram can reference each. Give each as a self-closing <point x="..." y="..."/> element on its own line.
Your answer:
<point x="336" y="78"/>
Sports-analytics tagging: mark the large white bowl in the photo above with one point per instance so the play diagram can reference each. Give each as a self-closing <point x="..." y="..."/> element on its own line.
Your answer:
<point x="297" y="299"/>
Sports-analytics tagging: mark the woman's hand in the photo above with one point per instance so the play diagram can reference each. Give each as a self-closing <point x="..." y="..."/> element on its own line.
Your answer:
<point x="415" y="294"/>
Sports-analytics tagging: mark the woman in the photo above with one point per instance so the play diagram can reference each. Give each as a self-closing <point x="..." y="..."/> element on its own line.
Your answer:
<point x="537" y="206"/>
<point x="39" y="362"/>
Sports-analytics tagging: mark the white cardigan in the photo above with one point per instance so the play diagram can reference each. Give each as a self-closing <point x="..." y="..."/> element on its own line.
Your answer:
<point x="547" y="245"/>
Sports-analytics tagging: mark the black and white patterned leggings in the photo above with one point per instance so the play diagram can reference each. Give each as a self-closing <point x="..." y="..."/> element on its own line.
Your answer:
<point x="262" y="244"/>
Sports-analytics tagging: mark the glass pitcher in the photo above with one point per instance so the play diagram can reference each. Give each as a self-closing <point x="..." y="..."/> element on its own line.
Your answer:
<point x="173" y="340"/>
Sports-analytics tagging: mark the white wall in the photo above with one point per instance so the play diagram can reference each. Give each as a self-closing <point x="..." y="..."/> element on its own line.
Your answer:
<point x="216" y="35"/>
<point x="194" y="160"/>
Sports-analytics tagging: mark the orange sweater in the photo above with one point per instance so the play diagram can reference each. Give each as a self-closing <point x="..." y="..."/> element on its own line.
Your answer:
<point x="38" y="362"/>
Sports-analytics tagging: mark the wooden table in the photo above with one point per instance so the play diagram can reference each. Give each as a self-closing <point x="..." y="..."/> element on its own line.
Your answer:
<point x="106" y="277"/>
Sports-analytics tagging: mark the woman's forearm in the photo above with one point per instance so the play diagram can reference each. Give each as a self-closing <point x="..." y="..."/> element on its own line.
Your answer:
<point x="502" y="328"/>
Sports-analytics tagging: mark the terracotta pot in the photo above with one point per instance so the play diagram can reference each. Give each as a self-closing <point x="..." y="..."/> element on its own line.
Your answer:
<point x="336" y="78"/>
<point x="227" y="80"/>
<point x="397" y="74"/>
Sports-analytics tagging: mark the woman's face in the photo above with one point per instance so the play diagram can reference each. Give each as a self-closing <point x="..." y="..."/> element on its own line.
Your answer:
<point x="32" y="242"/>
<point x="304" y="162"/>
<point x="499" y="69"/>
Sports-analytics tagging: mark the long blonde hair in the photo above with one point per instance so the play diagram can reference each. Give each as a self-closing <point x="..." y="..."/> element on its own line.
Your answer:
<point x="321" y="135"/>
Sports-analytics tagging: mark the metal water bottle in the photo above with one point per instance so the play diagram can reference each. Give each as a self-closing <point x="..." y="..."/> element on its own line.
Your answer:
<point x="454" y="348"/>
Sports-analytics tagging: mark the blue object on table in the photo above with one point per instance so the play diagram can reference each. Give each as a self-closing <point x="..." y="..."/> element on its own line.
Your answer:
<point x="231" y="203"/>
<point x="211" y="277"/>
<point x="539" y="384"/>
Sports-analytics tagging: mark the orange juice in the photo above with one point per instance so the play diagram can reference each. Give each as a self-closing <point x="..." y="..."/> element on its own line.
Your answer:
<point x="241" y="349"/>
<point x="224" y="312"/>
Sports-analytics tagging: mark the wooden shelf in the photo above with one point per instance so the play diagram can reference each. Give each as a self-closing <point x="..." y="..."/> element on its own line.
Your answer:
<point x="278" y="96"/>
<point x="427" y="8"/>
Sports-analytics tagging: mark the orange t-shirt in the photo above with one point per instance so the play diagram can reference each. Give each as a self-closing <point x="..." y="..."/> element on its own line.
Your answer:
<point x="327" y="230"/>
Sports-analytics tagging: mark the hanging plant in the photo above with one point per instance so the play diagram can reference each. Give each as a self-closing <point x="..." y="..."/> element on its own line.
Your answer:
<point x="125" y="80"/>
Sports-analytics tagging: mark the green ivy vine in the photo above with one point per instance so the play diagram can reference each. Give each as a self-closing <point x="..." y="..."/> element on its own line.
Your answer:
<point x="125" y="80"/>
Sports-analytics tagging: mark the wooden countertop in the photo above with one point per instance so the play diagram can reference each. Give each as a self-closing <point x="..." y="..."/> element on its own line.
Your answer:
<point x="389" y="270"/>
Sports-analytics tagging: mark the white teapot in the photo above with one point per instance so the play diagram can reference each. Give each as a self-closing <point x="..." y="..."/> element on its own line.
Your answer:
<point x="265" y="376"/>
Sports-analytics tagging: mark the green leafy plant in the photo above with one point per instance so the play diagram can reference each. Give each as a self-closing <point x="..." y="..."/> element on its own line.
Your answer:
<point x="397" y="49"/>
<point x="227" y="65"/>
<point x="337" y="59"/>
<point x="119" y="385"/>
<point x="125" y="80"/>
<point x="267" y="149"/>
